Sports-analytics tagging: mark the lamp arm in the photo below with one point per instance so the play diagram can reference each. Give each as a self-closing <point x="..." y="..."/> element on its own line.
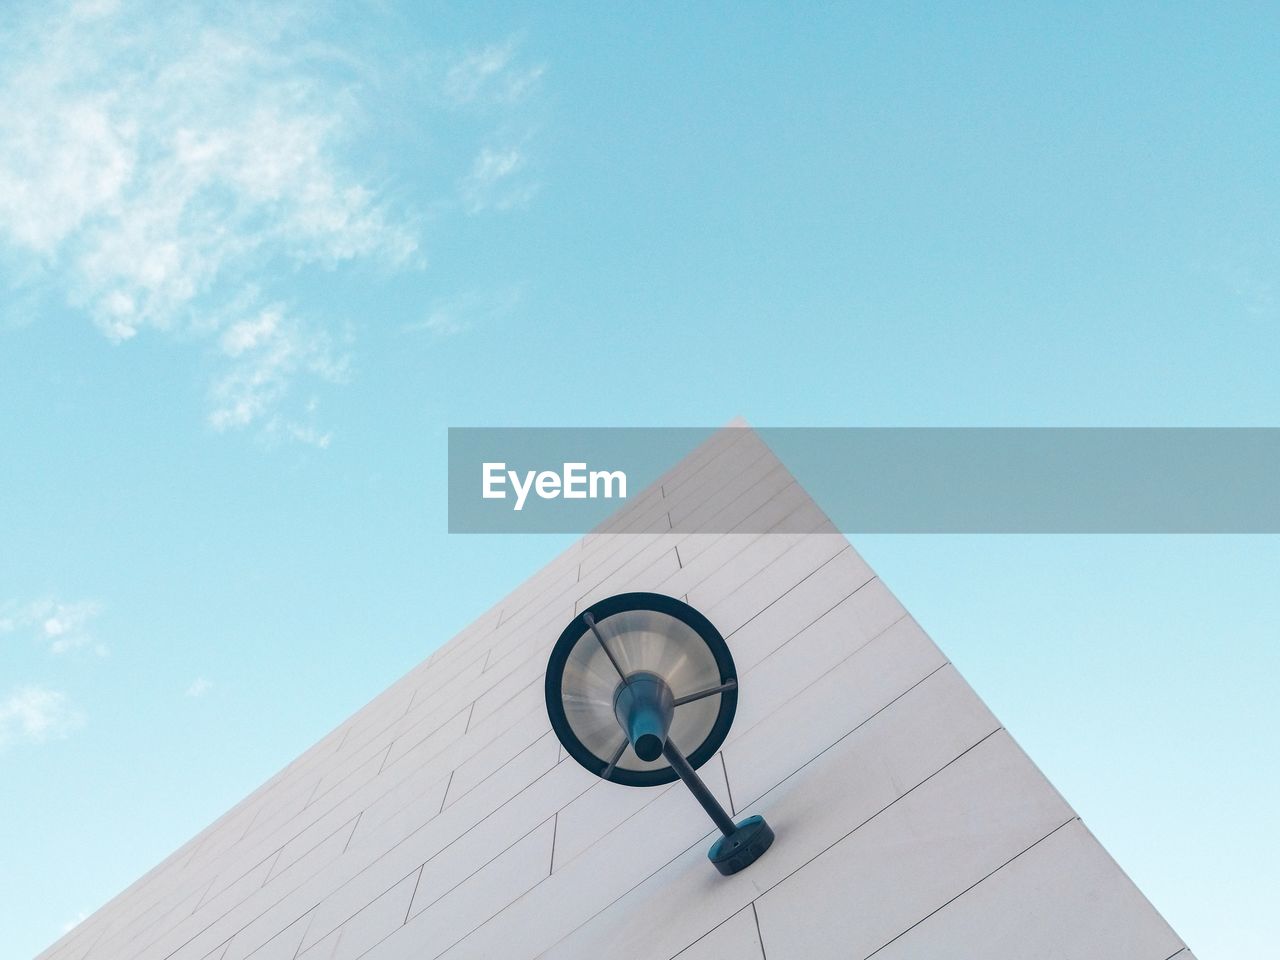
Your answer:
<point x="699" y="789"/>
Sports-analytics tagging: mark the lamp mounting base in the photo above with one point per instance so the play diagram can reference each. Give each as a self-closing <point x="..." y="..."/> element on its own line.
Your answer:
<point x="744" y="846"/>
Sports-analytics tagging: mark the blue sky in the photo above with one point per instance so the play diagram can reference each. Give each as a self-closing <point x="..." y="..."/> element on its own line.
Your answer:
<point x="254" y="265"/>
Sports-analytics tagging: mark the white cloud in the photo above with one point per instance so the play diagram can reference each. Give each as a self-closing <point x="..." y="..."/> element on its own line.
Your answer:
<point x="454" y="315"/>
<point x="155" y="162"/>
<point x="490" y="75"/>
<point x="64" y="626"/>
<point x="493" y="183"/>
<point x="183" y="168"/>
<point x="445" y="322"/>
<point x="36" y="714"/>
<point x="199" y="687"/>
<point x="267" y="353"/>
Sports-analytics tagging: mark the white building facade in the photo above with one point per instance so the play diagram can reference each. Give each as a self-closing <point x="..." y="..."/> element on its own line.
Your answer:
<point x="445" y="820"/>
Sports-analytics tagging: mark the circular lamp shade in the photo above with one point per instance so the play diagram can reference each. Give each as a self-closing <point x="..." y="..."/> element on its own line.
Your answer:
<point x="647" y="634"/>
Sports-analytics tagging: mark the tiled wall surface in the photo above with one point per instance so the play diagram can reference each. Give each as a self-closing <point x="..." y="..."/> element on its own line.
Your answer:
<point x="444" y="820"/>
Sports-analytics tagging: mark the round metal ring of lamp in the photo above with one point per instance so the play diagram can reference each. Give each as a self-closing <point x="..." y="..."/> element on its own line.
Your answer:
<point x="641" y="690"/>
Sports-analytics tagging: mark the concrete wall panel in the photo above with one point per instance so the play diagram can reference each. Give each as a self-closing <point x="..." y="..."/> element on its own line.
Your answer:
<point x="444" y="820"/>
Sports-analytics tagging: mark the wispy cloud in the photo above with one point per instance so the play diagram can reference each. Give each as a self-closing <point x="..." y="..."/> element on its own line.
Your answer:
<point x="450" y="316"/>
<point x="496" y="181"/>
<point x="62" y="625"/>
<point x="488" y="78"/>
<point x="199" y="687"/>
<point x="36" y="714"/>
<point x="265" y="354"/>
<point x="490" y="75"/>
<point x="159" y="165"/>
<point x="178" y="167"/>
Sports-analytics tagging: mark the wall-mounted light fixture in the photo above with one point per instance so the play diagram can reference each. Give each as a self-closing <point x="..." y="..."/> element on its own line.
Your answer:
<point x="641" y="689"/>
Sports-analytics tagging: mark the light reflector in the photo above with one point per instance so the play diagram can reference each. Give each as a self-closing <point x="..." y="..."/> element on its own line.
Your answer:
<point x="644" y="633"/>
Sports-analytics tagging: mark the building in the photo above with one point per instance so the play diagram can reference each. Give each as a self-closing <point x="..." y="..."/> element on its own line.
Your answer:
<point x="444" y="819"/>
